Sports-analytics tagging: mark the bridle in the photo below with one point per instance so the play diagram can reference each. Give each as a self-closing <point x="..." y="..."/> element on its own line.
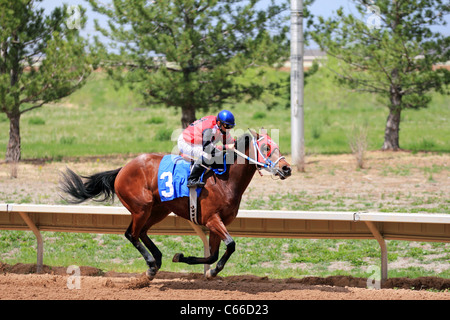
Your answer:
<point x="267" y="165"/>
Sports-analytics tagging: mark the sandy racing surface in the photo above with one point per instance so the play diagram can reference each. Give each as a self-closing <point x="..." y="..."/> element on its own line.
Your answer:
<point x="56" y="284"/>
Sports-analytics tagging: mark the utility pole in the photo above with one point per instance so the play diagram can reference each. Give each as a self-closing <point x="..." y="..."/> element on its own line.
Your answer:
<point x="297" y="77"/>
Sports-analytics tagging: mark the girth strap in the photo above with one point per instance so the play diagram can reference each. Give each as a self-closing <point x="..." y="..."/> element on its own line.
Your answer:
<point x="193" y="205"/>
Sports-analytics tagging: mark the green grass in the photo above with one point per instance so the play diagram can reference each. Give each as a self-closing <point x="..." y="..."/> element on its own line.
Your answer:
<point x="102" y="119"/>
<point x="275" y="258"/>
<point x="328" y="200"/>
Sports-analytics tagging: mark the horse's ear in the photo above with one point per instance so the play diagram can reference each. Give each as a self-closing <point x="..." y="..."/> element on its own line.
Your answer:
<point x="254" y="133"/>
<point x="263" y="131"/>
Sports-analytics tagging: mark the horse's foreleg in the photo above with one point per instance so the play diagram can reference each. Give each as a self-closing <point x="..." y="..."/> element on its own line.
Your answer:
<point x="231" y="247"/>
<point x="214" y="243"/>
<point x="216" y="226"/>
<point x="218" y="233"/>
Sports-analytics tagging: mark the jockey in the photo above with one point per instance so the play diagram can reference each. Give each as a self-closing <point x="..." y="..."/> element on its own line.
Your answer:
<point x="198" y="141"/>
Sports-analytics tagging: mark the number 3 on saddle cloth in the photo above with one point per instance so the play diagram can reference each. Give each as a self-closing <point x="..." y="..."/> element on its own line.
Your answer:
<point x="173" y="173"/>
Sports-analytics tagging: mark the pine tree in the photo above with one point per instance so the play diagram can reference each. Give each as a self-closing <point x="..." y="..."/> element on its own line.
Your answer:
<point x="188" y="53"/>
<point x="390" y="51"/>
<point x="41" y="60"/>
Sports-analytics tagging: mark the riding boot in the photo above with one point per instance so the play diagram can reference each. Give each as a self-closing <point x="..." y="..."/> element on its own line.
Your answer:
<point x="195" y="178"/>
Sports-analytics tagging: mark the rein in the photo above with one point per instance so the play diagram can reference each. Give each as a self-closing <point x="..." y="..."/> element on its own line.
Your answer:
<point x="268" y="164"/>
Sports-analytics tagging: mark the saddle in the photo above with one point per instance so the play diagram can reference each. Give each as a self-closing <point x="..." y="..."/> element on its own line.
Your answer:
<point x="173" y="173"/>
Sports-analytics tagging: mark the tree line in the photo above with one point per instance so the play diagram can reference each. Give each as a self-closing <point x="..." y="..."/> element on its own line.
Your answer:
<point x="188" y="54"/>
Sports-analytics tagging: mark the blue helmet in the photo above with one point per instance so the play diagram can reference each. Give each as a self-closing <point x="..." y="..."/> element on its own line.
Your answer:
<point x="227" y="118"/>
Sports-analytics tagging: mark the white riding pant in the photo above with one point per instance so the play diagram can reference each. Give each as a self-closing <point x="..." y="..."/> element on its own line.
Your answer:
<point x="194" y="151"/>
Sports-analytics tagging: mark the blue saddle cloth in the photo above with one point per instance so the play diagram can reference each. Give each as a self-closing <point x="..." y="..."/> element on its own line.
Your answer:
<point x="173" y="173"/>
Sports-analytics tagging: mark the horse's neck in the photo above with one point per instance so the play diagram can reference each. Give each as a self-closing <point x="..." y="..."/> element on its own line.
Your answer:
<point x="240" y="176"/>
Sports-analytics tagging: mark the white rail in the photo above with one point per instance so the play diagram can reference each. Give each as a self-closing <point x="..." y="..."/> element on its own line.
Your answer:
<point x="249" y="223"/>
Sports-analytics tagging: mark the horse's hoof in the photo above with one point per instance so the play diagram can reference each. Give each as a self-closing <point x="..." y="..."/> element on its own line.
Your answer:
<point x="209" y="274"/>
<point x="151" y="273"/>
<point x="177" y="257"/>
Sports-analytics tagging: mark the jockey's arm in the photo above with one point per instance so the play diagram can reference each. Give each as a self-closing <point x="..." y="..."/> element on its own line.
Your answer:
<point x="208" y="145"/>
<point x="230" y="141"/>
<point x="229" y="146"/>
<point x="207" y="136"/>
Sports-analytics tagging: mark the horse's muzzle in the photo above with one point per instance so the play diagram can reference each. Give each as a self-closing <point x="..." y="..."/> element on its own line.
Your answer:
<point x="284" y="172"/>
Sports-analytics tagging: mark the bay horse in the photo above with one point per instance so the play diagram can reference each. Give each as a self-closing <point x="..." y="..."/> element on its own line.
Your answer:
<point x="136" y="186"/>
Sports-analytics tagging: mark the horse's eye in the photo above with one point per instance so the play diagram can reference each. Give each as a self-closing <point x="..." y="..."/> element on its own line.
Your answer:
<point x="265" y="149"/>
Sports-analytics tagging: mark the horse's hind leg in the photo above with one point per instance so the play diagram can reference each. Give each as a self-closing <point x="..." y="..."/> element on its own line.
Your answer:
<point x="153" y="249"/>
<point x="133" y="233"/>
<point x="156" y="216"/>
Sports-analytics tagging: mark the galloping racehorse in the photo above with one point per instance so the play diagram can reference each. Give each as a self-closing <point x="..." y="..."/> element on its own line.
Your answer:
<point x="136" y="185"/>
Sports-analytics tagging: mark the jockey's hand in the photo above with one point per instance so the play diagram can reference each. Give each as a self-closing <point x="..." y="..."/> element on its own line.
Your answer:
<point x="229" y="146"/>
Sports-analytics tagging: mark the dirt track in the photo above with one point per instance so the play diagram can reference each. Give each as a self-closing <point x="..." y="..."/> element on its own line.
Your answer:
<point x="55" y="283"/>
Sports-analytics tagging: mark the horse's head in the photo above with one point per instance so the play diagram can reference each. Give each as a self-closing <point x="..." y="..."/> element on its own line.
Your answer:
<point x="268" y="153"/>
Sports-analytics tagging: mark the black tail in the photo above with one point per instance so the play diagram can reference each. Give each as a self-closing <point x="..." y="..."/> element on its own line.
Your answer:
<point x="93" y="186"/>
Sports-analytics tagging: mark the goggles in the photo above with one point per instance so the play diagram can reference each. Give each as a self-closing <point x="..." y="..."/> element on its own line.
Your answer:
<point x="227" y="126"/>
